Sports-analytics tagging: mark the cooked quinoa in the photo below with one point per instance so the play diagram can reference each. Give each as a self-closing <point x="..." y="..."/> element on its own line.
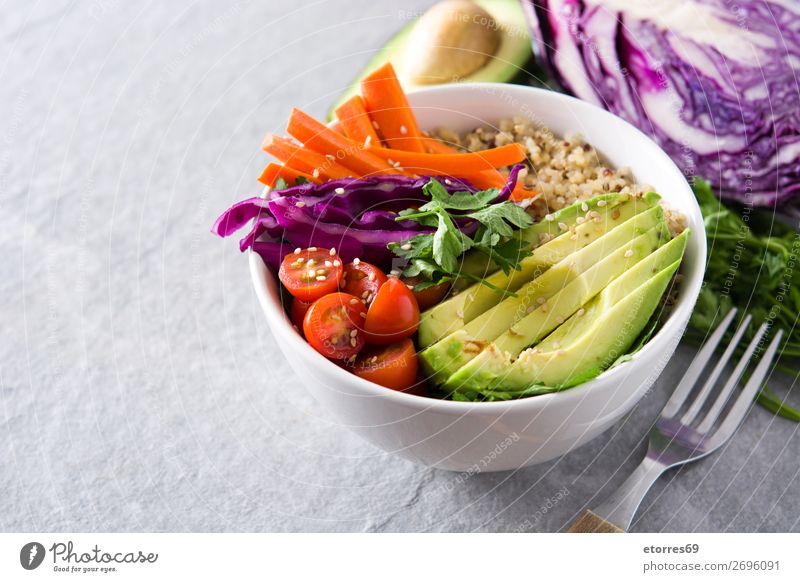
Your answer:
<point x="561" y="171"/>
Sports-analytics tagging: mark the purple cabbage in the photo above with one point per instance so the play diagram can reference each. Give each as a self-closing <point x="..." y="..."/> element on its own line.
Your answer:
<point x="354" y="216"/>
<point x="714" y="82"/>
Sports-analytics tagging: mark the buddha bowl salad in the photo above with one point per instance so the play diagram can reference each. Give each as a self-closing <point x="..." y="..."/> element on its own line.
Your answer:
<point x="495" y="265"/>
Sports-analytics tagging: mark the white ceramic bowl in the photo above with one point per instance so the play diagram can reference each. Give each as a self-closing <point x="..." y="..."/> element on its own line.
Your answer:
<point x="498" y="436"/>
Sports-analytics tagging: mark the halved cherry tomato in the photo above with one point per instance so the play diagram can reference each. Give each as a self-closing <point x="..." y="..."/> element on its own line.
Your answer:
<point x="332" y="326"/>
<point x="429" y="297"/>
<point x="393" y="315"/>
<point x="311" y="273"/>
<point x="393" y="366"/>
<point x="362" y="280"/>
<point x="298" y="311"/>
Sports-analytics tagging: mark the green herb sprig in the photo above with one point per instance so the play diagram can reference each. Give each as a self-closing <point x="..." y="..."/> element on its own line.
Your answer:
<point x="753" y="264"/>
<point x="435" y="256"/>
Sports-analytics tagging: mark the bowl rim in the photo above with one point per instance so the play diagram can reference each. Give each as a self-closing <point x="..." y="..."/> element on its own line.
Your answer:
<point x="674" y="326"/>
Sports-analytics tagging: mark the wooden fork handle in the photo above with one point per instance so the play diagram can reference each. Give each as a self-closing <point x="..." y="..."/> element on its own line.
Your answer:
<point x="590" y="522"/>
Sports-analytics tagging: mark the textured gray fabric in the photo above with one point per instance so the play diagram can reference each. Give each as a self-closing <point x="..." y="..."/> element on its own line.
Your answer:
<point x="140" y="389"/>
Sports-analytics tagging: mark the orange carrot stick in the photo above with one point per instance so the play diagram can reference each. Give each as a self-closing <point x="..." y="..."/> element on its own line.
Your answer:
<point x="454" y="164"/>
<point x="434" y="146"/>
<point x="355" y="122"/>
<point x="388" y="107"/>
<point x="303" y="159"/>
<point x="274" y="171"/>
<point x="324" y="140"/>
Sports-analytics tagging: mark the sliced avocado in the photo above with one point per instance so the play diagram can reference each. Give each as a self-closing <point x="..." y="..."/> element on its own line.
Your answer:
<point x="442" y="359"/>
<point x="478" y="265"/>
<point x="452" y="314"/>
<point x="507" y="62"/>
<point x="582" y="346"/>
<point x="493" y="362"/>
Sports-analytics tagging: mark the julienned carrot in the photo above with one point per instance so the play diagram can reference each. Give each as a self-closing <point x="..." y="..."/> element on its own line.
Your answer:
<point x="304" y="159"/>
<point x="434" y="146"/>
<point x="355" y="122"/>
<point x="388" y="107"/>
<point x="453" y="164"/>
<point x="273" y="171"/>
<point x="333" y="145"/>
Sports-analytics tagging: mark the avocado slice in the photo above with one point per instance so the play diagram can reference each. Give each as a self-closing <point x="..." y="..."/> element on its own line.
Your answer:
<point x="510" y="58"/>
<point x="443" y="358"/>
<point x="452" y="314"/>
<point x="548" y="316"/>
<point x="582" y="347"/>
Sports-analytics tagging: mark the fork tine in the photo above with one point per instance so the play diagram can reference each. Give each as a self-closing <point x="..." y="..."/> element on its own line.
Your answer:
<point x="701" y="397"/>
<point x="733" y="381"/>
<point x="689" y="379"/>
<point x="745" y="400"/>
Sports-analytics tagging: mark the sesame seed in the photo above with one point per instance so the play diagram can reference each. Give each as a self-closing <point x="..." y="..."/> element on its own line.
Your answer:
<point x="563" y="226"/>
<point x="580" y="220"/>
<point x="300" y="259"/>
<point x="549" y="217"/>
<point x="312" y="249"/>
<point x="559" y="319"/>
<point x="543" y="308"/>
<point x="312" y="273"/>
<point x="573" y="237"/>
<point x="297" y="251"/>
<point x="354" y="301"/>
<point x="601" y="203"/>
<point x="406" y="247"/>
<point x="336" y="263"/>
<point x="339" y="190"/>
<point x="363" y="314"/>
<point x="410" y="286"/>
<point x="315" y="173"/>
<point x="628" y="253"/>
<point x="367" y="140"/>
<point x="581" y="311"/>
<point x="321" y="271"/>
<point x="391" y="162"/>
<point x="374" y="359"/>
<point x="541" y="300"/>
<point x="375" y="125"/>
<point x="311" y="262"/>
<point x="397" y="165"/>
<point x="353" y="341"/>
<point x="394" y="273"/>
<point x="332" y="252"/>
<point x="584" y="207"/>
<point x="403" y="130"/>
<point x="328" y="264"/>
<point x="356" y="261"/>
<point x="354" y="333"/>
<point x="300" y="204"/>
<point x="365" y="294"/>
<point x="321" y="277"/>
<point x="447" y="181"/>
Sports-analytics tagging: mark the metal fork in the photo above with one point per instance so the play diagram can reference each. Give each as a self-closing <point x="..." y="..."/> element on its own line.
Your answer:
<point x="676" y="438"/>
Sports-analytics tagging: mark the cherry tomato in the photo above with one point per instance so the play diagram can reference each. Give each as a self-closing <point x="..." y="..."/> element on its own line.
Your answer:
<point x="393" y="315"/>
<point x="362" y="280"/>
<point x="429" y="297"/>
<point x="309" y="274"/>
<point x="332" y="326"/>
<point x="298" y="311"/>
<point x="393" y="366"/>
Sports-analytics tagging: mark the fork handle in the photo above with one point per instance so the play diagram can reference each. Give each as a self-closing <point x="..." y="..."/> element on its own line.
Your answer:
<point x="590" y="522"/>
<point x="619" y="508"/>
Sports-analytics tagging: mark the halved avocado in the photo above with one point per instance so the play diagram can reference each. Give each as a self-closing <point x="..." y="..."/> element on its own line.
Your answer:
<point x="509" y="60"/>
<point x="586" y="343"/>
<point x="441" y="359"/>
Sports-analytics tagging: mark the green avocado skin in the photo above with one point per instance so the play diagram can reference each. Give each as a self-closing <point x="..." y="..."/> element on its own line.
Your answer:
<point x="513" y="55"/>
<point x="587" y="344"/>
